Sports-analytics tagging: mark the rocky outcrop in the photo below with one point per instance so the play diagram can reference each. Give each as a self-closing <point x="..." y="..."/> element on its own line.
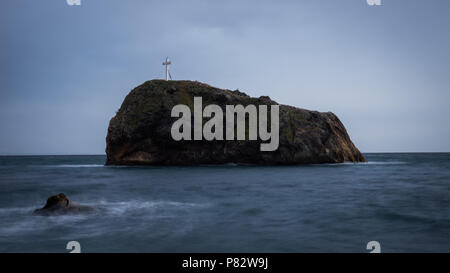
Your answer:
<point x="140" y="133"/>
<point x="59" y="205"/>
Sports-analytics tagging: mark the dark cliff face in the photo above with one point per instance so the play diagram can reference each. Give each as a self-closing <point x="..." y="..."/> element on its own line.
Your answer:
<point x="140" y="133"/>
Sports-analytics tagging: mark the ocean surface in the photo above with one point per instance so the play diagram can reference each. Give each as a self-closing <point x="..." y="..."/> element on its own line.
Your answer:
<point x="400" y="200"/>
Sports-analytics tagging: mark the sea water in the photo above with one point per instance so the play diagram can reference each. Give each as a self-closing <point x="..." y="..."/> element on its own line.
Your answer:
<point x="400" y="200"/>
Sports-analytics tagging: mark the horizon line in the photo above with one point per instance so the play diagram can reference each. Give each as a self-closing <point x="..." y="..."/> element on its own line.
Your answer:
<point x="403" y="152"/>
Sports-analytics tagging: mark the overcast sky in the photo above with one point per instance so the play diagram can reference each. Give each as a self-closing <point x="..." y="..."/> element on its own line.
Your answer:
<point x="384" y="71"/>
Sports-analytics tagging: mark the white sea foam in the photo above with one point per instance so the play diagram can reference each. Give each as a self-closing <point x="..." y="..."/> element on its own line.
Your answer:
<point x="366" y="163"/>
<point x="25" y="222"/>
<point x="124" y="206"/>
<point x="119" y="208"/>
<point x="384" y="163"/>
<point x="22" y="221"/>
<point x="16" y="210"/>
<point x="377" y="163"/>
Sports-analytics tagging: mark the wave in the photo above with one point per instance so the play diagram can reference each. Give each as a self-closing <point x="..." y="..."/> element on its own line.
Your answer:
<point x="384" y="163"/>
<point x="380" y="163"/>
<point x="119" y="208"/>
<point x="82" y="166"/>
<point x="16" y="210"/>
<point x="367" y="163"/>
<point x="19" y="221"/>
<point x="113" y="207"/>
<point x="78" y="165"/>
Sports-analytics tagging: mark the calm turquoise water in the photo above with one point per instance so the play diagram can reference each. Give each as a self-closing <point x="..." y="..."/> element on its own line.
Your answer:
<point x="400" y="200"/>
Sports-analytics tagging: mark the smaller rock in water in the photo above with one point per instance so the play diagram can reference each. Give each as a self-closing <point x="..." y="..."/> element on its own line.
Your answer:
<point x="59" y="205"/>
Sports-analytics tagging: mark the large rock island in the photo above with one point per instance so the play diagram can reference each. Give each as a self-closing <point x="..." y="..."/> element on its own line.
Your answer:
<point x="140" y="133"/>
